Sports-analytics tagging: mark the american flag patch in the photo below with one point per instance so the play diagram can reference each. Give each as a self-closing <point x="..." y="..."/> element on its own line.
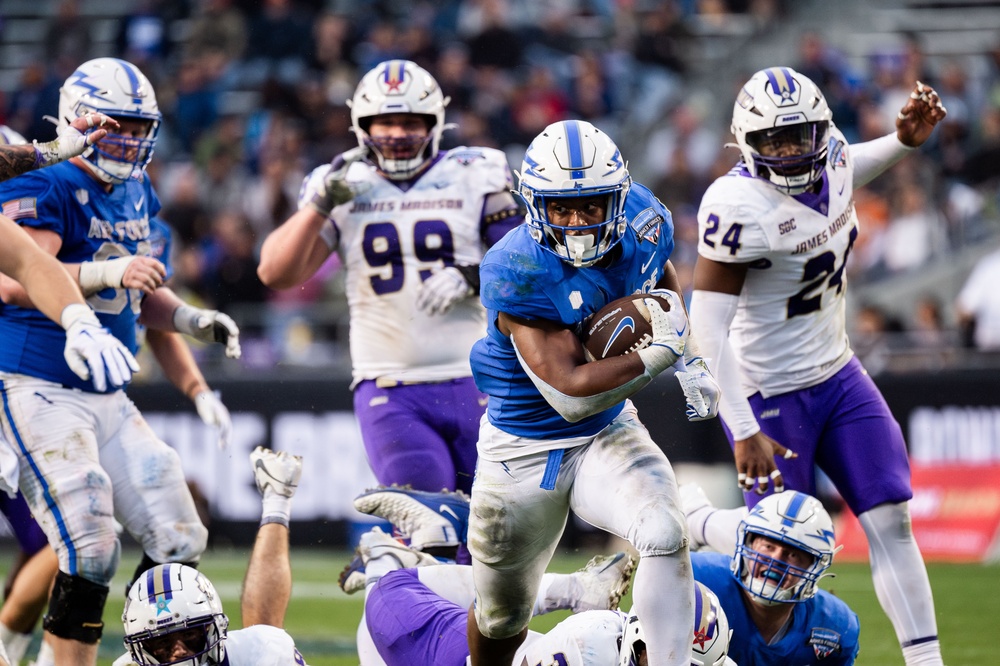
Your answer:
<point x="16" y="209"/>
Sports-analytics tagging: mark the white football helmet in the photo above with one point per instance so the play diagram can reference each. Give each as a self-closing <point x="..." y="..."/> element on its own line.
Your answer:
<point x="166" y="600"/>
<point x="118" y="89"/>
<point x="794" y="519"/>
<point x="399" y="86"/>
<point x="710" y="642"/>
<point x="571" y="159"/>
<point x="780" y="107"/>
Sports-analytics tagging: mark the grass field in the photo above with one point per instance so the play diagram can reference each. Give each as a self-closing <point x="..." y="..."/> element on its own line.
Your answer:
<point x="323" y="620"/>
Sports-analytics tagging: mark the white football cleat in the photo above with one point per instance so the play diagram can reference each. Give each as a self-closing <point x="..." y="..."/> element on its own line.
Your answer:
<point x="601" y="584"/>
<point x="375" y="544"/>
<point x="276" y="471"/>
<point x="693" y="497"/>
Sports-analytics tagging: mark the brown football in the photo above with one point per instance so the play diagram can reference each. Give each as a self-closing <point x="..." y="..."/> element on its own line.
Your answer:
<point x="620" y="327"/>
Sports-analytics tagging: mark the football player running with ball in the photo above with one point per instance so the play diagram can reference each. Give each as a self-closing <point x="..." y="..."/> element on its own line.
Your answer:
<point x="410" y="224"/>
<point x="769" y="308"/>
<point x="561" y="432"/>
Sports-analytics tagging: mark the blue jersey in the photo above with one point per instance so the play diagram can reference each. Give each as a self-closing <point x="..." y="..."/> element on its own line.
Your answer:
<point x="521" y="278"/>
<point x="94" y="225"/>
<point x="824" y="630"/>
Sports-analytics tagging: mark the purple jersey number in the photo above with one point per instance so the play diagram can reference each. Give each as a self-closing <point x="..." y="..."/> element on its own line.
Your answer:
<point x="432" y="242"/>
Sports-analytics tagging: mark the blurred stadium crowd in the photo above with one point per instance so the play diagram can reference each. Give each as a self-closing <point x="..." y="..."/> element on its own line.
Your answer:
<point x="253" y="93"/>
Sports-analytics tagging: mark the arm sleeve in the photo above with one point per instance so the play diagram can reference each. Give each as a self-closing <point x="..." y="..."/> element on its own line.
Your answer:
<point x="573" y="408"/>
<point x="873" y="157"/>
<point x="712" y="314"/>
<point x="500" y="214"/>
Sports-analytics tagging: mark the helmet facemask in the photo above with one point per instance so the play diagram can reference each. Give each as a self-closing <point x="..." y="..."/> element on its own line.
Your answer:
<point x="772" y="581"/>
<point x="581" y="245"/>
<point x="118" y="157"/>
<point x="201" y="637"/>
<point x="401" y="157"/>
<point x="806" y="145"/>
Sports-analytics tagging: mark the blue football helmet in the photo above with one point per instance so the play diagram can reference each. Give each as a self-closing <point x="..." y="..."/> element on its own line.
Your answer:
<point x="793" y="519"/>
<point x="780" y="107"/>
<point x="118" y="89"/>
<point x="573" y="159"/>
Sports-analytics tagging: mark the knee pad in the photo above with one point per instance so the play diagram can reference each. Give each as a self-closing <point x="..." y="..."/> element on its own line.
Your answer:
<point x="658" y="529"/>
<point x="75" y="609"/>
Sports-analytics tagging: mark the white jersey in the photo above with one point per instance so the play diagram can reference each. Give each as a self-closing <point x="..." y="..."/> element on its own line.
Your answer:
<point x="391" y="240"/>
<point x="590" y="638"/>
<point x="259" y="645"/>
<point x="789" y="331"/>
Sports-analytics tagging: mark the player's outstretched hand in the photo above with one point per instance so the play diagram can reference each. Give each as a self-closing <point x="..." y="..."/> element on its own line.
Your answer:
<point x="92" y="352"/>
<point x="334" y="190"/>
<point x="214" y="413"/>
<point x="209" y="326"/>
<point x="701" y="391"/>
<point x="442" y="290"/>
<point x="755" y="463"/>
<point x="74" y="138"/>
<point x="919" y="115"/>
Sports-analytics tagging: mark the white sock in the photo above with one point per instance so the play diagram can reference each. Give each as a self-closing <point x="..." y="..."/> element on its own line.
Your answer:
<point x="15" y="642"/>
<point x="901" y="582"/>
<point x="923" y="654"/>
<point x="276" y="509"/>
<point x="377" y="567"/>
<point x="45" y="655"/>
<point x="663" y="596"/>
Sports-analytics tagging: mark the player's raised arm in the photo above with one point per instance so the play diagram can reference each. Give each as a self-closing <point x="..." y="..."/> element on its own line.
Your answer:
<point x="292" y="253"/>
<point x="73" y="139"/>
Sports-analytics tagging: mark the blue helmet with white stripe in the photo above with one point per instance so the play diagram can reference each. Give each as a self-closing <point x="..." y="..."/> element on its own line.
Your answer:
<point x="574" y="159"/>
<point x="762" y="563"/>
<point x="118" y="89"/>
<point x="781" y="122"/>
<point x="170" y="603"/>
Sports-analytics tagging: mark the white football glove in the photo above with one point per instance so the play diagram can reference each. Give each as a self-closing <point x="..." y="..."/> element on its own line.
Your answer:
<point x="670" y="332"/>
<point x="209" y="326"/>
<point x="701" y="391"/>
<point x="70" y="141"/>
<point x="334" y="190"/>
<point x="92" y="352"/>
<point x="214" y="413"/>
<point x="442" y="290"/>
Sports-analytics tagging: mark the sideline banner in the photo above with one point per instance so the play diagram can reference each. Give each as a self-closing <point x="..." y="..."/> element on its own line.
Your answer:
<point x="955" y="512"/>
